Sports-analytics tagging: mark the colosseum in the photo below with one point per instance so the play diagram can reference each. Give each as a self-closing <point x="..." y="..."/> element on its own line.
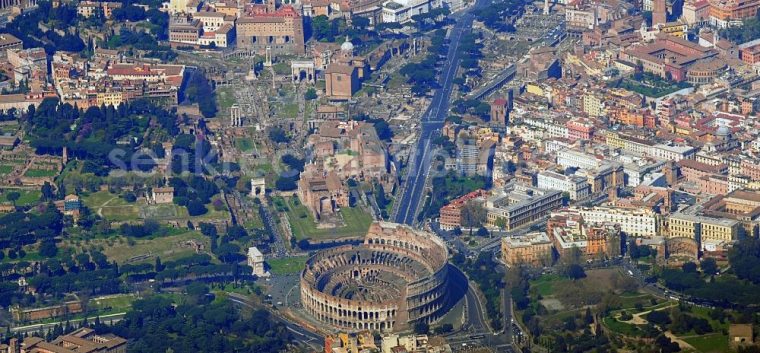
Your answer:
<point x="398" y="276"/>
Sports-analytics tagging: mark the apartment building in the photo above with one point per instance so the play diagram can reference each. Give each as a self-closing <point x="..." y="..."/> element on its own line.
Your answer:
<point x="533" y="249"/>
<point x="519" y="205"/>
<point x="708" y="231"/>
<point x="636" y="222"/>
<point x="577" y="187"/>
<point x="572" y="235"/>
<point x="451" y="214"/>
<point x="81" y="340"/>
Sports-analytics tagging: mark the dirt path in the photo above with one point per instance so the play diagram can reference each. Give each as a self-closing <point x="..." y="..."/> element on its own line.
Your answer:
<point x="638" y="318"/>
<point x="680" y="342"/>
<point x="100" y="208"/>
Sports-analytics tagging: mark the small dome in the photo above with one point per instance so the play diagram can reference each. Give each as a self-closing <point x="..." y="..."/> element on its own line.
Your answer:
<point x="347" y="46"/>
<point x="723" y="131"/>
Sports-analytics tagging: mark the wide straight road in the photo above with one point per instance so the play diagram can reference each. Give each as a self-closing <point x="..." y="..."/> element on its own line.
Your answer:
<point x="432" y="121"/>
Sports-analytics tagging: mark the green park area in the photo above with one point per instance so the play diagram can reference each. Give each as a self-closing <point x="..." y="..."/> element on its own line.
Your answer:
<point x="651" y="85"/>
<point x="225" y="98"/>
<point x="111" y="304"/>
<point x="26" y="197"/>
<point x="178" y="244"/>
<point x="355" y="221"/>
<point x="244" y="144"/>
<point x="286" y="266"/>
<point x="289" y="110"/>
<point x="5" y="169"/>
<point x="40" y="173"/>
<point x="115" y="208"/>
<point x="695" y="329"/>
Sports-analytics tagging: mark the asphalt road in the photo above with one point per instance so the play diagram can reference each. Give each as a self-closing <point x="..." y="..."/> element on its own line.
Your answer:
<point x="432" y="121"/>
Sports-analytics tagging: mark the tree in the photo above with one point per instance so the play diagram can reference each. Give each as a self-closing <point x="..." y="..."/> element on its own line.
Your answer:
<point x="199" y="91"/>
<point x="473" y="215"/>
<point x="196" y="208"/>
<point x="13" y="196"/>
<point x="575" y="271"/>
<point x="285" y="184"/>
<point x="659" y="317"/>
<point x="709" y="266"/>
<point x="588" y="318"/>
<point x="320" y="28"/>
<point x="421" y="328"/>
<point x="278" y="135"/>
<point x="501" y="222"/>
<point x="689" y="267"/>
<point x="130" y="197"/>
<point x="482" y="232"/>
<point x="311" y="94"/>
<point x="48" y="248"/>
<point x="47" y="192"/>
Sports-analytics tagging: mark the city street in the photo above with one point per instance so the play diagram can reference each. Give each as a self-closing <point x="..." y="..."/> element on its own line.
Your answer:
<point x="432" y="120"/>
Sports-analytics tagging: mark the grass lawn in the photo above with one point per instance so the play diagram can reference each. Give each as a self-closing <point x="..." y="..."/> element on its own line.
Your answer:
<point x="244" y="144"/>
<point x="304" y="227"/>
<point x="116" y="209"/>
<point x="287" y="265"/>
<point x="710" y="343"/>
<point x="27" y="197"/>
<point x="290" y="110"/>
<point x="622" y="327"/>
<point x="225" y="98"/>
<point x="651" y="85"/>
<point x="281" y="68"/>
<point x="38" y="173"/>
<point x="121" y="213"/>
<point x="5" y="169"/>
<point x="112" y="304"/>
<point x="629" y="300"/>
<point x="100" y="198"/>
<point x="168" y="248"/>
<point x="544" y="285"/>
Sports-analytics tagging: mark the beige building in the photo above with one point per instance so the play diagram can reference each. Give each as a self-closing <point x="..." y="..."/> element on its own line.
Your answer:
<point x="711" y="233"/>
<point x="89" y="8"/>
<point x="322" y="194"/>
<point x="256" y="262"/>
<point x="518" y="205"/>
<point x="533" y="249"/>
<point x="162" y="195"/>
<point x="263" y="27"/>
<point x="81" y="340"/>
<point x="9" y="41"/>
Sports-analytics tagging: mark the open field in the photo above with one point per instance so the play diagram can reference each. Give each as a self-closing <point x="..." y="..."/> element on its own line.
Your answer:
<point x="112" y="303"/>
<point x="709" y="343"/>
<point x="289" y="110"/>
<point x="244" y="144"/>
<point x="286" y="266"/>
<point x="168" y="248"/>
<point x="304" y="227"/>
<point x="115" y="209"/>
<point x="27" y="197"/>
<point x="225" y="98"/>
<point x="39" y="173"/>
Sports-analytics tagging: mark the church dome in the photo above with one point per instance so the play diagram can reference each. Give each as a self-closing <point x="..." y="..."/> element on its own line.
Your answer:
<point x="723" y="131"/>
<point x="347" y="46"/>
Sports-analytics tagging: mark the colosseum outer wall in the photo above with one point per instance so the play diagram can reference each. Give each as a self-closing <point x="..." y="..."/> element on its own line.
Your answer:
<point x="414" y="264"/>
